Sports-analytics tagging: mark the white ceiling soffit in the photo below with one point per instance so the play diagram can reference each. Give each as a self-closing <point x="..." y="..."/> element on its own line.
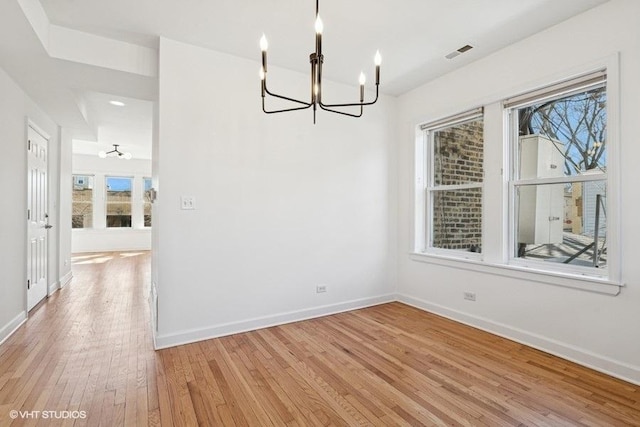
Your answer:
<point x="61" y="51"/>
<point x="413" y="36"/>
<point x="56" y="66"/>
<point x="86" y="48"/>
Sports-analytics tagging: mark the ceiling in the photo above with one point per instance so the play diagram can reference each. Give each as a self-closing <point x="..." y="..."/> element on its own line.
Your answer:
<point x="413" y="36"/>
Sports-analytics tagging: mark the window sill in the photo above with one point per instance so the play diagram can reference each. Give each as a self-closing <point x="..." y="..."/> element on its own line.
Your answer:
<point x="575" y="281"/>
<point x="110" y="229"/>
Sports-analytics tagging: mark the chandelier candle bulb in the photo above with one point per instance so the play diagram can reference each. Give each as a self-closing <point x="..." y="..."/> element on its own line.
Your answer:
<point x="362" y="80"/>
<point x="377" y="60"/>
<point x="319" y="28"/>
<point x="263" y="47"/>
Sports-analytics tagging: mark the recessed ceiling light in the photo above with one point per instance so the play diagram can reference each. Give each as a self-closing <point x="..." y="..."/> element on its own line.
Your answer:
<point x="117" y="103"/>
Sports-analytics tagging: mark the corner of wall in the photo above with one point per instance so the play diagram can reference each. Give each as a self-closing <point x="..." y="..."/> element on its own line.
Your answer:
<point x="185" y="337"/>
<point x="7" y="330"/>
<point x="565" y="351"/>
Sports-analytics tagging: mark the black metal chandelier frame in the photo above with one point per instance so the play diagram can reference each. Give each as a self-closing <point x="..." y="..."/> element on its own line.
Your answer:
<point x="316" y="60"/>
<point x="116" y="151"/>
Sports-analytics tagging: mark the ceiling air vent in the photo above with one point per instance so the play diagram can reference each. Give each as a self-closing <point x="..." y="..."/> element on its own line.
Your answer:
<point x="455" y="53"/>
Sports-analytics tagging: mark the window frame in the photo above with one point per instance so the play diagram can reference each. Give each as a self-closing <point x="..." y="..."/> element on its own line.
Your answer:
<point x="106" y="201"/>
<point x="559" y="90"/>
<point x="144" y="202"/>
<point x="426" y="187"/>
<point x="92" y="178"/>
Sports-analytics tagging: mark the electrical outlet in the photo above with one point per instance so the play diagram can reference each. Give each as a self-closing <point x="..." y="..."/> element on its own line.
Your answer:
<point x="470" y="296"/>
<point x="321" y="288"/>
<point x="187" y="203"/>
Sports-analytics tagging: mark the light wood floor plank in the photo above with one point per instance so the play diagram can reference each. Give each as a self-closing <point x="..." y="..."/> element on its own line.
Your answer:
<point x="88" y="348"/>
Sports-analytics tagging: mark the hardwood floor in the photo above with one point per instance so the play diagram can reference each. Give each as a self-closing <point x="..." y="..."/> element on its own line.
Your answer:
<point x="88" y="348"/>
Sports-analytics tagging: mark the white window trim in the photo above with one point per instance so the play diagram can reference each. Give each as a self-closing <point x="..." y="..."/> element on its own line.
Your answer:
<point x="500" y="266"/>
<point x="524" y="272"/>
<point x="424" y="185"/>
<point x="573" y="85"/>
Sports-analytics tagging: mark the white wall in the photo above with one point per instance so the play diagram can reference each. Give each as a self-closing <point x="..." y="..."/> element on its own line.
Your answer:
<point x="53" y="266"/>
<point x="281" y="205"/>
<point x="15" y="109"/>
<point x="602" y="331"/>
<point x="64" y="227"/>
<point x="100" y="238"/>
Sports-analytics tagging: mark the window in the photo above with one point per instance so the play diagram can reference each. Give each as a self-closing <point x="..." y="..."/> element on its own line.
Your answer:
<point x="453" y="159"/>
<point x="558" y="179"/>
<point x="82" y="202"/>
<point x="147" y="184"/>
<point x="118" y="201"/>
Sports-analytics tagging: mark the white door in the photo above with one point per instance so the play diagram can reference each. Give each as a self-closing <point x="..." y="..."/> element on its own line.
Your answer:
<point x="37" y="218"/>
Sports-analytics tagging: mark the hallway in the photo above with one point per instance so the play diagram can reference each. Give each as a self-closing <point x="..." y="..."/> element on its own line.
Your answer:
<point x="88" y="348"/>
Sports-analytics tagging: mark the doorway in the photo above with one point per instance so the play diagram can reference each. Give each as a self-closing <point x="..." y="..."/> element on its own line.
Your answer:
<point x="37" y="216"/>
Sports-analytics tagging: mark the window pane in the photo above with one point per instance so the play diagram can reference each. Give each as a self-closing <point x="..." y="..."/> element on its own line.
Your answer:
<point x="565" y="136"/>
<point x="562" y="223"/>
<point x="457" y="153"/>
<point x="118" y="202"/>
<point x="457" y="219"/>
<point x="82" y="202"/>
<point x="147" y="201"/>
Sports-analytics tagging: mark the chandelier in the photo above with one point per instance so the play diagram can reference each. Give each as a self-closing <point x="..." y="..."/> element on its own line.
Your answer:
<point x="316" y="59"/>
<point x="120" y="154"/>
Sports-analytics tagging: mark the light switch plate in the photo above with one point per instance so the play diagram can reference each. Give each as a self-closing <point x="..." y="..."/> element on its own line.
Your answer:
<point x="187" y="203"/>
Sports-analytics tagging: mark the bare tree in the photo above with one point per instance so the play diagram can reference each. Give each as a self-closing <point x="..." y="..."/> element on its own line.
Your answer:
<point x="578" y="121"/>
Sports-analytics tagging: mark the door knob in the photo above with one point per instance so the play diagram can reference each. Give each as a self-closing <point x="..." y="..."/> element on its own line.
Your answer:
<point x="48" y="226"/>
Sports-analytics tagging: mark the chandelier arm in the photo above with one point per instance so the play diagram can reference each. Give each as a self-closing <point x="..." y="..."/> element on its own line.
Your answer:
<point x="355" y="104"/>
<point x="343" y="112"/>
<point x="283" y="110"/>
<point x="306" y="104"/>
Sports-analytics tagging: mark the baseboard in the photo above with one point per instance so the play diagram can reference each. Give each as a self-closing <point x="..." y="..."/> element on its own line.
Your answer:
<point x="153" y="309"/>
<point x="186" y="337"/>
<point x="64" y="280"/>
<point x="12" y="326"/>
<point x="606" y="365"/>
<point x="141" y="248"/>
<point x="53" y="287"/>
